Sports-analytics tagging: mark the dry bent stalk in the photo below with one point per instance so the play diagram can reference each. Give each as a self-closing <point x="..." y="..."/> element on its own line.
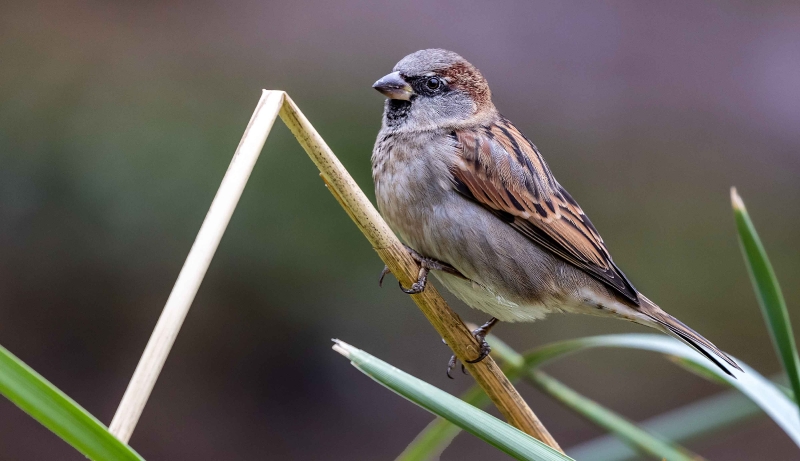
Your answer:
<point x="194" y="269"/>
<point x="447" y="323"/>
<point x="360" y="209"/>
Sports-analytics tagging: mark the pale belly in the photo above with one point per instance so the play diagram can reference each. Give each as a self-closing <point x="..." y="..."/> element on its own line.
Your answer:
<point x="483" y="299"/>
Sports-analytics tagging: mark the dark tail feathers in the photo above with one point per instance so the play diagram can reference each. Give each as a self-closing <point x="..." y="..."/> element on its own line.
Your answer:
<point x="687" y="335"/>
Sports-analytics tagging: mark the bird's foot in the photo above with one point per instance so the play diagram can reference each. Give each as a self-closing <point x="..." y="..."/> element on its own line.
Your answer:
<point x="452" y="364"/>
<point x="425" y="266"/>
<point x="420" y="284"/>
<point x="479" y="334"/>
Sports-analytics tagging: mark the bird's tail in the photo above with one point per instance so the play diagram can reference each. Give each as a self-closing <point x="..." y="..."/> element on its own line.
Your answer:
<point x="675" y="327"/>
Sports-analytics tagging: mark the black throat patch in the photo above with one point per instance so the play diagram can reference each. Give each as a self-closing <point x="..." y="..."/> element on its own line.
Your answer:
<point x="396" y="111"/>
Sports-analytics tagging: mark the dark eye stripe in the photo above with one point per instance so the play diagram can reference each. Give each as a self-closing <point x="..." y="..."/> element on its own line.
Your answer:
<point x="420" y="85"/>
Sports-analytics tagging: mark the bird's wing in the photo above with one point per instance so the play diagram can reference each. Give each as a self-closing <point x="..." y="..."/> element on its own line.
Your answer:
<point x="502" y="170"/>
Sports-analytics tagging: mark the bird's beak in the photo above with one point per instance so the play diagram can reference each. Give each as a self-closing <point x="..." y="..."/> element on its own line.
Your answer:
<point x="394" y="87"/>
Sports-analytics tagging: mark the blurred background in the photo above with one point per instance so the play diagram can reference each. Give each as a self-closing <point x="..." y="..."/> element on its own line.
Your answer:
<point x="118" y="120"/>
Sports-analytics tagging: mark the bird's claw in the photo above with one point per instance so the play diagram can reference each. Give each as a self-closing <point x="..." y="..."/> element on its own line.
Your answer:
<point x="383" y="274"/>
<point x="485" y="349"/>
<point x="451" y="364"/>
<point x="480" y="334"/>
<point x="425" y="266"/>
<point x="419" y="285"/>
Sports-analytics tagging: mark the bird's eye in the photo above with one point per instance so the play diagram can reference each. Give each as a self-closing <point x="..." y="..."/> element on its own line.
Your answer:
<point x="433" y="83"/>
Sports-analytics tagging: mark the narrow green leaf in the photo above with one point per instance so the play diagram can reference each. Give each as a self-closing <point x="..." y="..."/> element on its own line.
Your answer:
<point x="59" y="413"/>
<point x="640" y="439"/>
<point x="689" y="422"/>
<point x="699" y="370"/>
<point x="432" y="441"/>
<point x="477" y="422"/>
<point x="603" y="417"/>
<point x="623" y="429"/>
<point x="765" y="394"/>
<point x="437" y="436"/>
<point x="768" y="292"/>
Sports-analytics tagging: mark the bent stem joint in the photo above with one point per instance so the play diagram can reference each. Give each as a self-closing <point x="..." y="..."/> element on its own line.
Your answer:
<point x="346" y="191"/>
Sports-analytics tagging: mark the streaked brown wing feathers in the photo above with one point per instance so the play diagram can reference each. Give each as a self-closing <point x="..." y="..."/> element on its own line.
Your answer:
<point x="503" y="171"/>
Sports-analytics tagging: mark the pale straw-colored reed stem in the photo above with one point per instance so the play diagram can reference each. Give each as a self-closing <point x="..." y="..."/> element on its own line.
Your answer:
<point x="194" y="269"/>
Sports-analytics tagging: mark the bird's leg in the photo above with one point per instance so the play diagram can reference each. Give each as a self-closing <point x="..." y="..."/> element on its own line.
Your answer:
<point x="425" y="265"/>
<point x="479" y="334"/>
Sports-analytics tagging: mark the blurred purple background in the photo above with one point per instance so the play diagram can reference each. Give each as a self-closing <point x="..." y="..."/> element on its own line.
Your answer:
<point x="117" y="122"/>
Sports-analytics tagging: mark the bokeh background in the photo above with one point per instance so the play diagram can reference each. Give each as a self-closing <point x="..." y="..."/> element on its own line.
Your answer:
<point x="118" y="119"/>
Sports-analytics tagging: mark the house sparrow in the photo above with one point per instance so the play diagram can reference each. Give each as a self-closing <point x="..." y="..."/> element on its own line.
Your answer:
<point x="476" y="203"/>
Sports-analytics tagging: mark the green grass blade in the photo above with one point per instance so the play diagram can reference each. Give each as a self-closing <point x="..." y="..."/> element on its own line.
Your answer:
<point x="690" y="422"/>
<point x="760" y="390"/>
<point x="625" y="430"/>
<point x="477" y="422"/>
<point x="433" y="440"/>
<point x="437" y="436"/>
<point x="59" y="413"/>
<point x="601" y="416"/>
<point x="768" y="292"/>
<point x="698" y="370"/>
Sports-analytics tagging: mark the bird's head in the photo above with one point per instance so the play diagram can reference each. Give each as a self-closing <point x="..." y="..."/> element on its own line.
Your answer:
<point x="434" y="89"/>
